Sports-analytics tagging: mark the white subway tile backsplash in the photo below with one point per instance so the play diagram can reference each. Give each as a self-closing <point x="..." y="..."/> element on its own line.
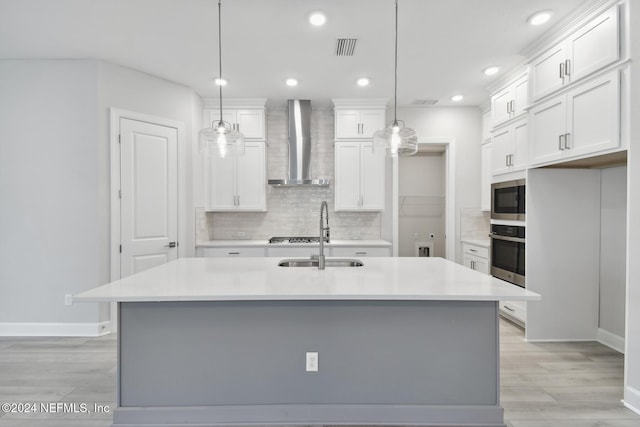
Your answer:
<point x="293" y="211"/>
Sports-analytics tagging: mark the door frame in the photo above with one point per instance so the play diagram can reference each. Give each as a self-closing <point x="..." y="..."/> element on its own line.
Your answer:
<point x="114" y="132"/>
<point x="450" y="187"/>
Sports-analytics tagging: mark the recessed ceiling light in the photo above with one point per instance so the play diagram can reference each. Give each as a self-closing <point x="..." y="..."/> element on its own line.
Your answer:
<point x="317" y="19"/>
<point x="490" y="71"/>
<point x="292" y="82"/>
<point x="363" y="81"/>
<point x="540" y="18"/>
<point x="220" y="82"/>
<point x="457" y="98"/>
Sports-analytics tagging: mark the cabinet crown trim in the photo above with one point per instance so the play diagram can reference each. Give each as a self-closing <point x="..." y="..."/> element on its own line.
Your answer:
<point x="360" y="103"/>
<point x="579" y="17"/>
<point x="234" y="103"/>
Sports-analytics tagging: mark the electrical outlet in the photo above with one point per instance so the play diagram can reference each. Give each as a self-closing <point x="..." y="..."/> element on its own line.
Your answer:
<point x="68" y="299"/>
<point x="312" y="361"/>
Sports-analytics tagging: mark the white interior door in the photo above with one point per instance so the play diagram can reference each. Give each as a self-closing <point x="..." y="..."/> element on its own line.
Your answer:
<point x="149" y="192"/>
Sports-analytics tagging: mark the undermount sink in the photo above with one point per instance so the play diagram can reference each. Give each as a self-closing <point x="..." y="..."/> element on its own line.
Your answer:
<point x="306" y="262"/>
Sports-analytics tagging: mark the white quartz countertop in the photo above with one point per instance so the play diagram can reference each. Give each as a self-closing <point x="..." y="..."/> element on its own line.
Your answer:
<point x="265" y="243"/>
<point x="260" y="278"/>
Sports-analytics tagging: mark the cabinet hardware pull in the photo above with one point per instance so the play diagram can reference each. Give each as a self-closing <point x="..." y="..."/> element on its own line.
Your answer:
<point x="567" y="67"/>
<point x="238" y="200"/>
<point x="561" y="142"/>
<point x="562" y="70"/>
<point x="472" y="250"/>
<point x="508" y="108"/>
<point x="508" y="308"/>
<point x="473" y="265"/>
<point x="171" y="245"/>
<point x="567" y="144"/>
<point x="234" y="253"/>
<point x="506" y="161"/>
<point x="361" y="253"/>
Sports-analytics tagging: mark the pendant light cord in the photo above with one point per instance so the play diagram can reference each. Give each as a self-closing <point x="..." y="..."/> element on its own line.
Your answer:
<point x="395" y="78"/>
<point x="220" y="54"/>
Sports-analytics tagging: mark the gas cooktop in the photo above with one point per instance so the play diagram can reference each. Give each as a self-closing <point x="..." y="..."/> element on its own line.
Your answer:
<point x="313" y="239"/>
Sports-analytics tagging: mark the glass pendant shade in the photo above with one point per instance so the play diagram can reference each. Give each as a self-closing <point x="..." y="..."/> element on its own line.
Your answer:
<point x="221" y="140"/>
<point x="396" y="139"/>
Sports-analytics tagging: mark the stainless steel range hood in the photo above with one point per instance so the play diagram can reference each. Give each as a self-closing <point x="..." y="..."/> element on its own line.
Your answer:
<point x="299" y="148"/>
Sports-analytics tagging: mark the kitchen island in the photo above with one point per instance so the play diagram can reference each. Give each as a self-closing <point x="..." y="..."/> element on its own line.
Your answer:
<point x="216" y="341"/>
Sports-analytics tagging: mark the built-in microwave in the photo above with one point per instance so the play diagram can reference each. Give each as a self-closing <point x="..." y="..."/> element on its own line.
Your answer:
<point x="508" y="253"/>
<point x="508" y="199"/>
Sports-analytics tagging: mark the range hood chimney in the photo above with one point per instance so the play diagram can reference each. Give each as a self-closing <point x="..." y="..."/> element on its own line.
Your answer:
<point x="299" y="148"/>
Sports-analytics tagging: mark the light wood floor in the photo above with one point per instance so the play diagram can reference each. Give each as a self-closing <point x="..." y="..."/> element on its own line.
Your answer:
<point x="543" y="384"/>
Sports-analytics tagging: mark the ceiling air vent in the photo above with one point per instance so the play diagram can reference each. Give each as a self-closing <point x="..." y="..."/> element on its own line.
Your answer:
<point x="424" y="102"/>
<point x="345" y="46"/>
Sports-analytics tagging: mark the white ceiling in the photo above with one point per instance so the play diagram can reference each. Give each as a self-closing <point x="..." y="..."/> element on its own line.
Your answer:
<point x="443" y="44"/>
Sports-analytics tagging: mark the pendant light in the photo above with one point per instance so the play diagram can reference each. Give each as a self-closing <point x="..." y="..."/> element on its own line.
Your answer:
<point x="221" y="139"/>
<point x="396" y="139"/>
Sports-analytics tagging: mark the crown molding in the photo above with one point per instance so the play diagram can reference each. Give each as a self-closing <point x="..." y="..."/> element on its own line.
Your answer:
<point x="234" y="102"/>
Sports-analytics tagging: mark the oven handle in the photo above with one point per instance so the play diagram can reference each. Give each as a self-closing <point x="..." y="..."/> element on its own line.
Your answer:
<point x="510" y="239"/>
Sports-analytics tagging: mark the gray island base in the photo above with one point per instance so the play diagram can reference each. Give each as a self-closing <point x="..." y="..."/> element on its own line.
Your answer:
<point x="426" y="362"/>
<point x="220" y="341"/>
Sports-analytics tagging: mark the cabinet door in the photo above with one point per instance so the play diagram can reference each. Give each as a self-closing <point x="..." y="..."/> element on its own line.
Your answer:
<point x="519" y="147"/>
<point x="347" y="175"/>
<point x="594" y="46"/>
<point x="485" y="177"/>
<point x="520" y="96"/>
<point x="593" y="115"/>
<point x="221" y="184"/>
<point x="347" y="124"/>
<point x="371" y="121"/>
<point x="548" y="123"/>
<point x="501" y="149"/>
<point x="251" y="178"/>
<point x="545" y="71"/>
<point x="500" y="106"/>
<point x="372" y="182"/>
<point x="251" y="123"/>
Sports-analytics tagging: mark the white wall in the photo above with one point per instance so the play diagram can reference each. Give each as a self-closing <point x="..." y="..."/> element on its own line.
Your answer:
<point x="421" y="212"/>
<point x="464" y="125"/>
<point x="613" y="231"/>
<point x="49" y="190"/>
<point x="632" y="350"/>
<point x="55" y="190"/>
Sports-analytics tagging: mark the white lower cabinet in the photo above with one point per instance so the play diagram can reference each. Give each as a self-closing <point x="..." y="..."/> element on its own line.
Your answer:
<point x="232" y="252"/>
<point x="585" y="121"/>
<point x="514" y="310"/>
<point x="356" y="252"/>
<point x="475" y="257"/>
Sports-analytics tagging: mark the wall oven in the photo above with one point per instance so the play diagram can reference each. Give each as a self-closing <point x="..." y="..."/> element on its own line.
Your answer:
<point x="507" y="253"/>
<point x="508" y="199"/>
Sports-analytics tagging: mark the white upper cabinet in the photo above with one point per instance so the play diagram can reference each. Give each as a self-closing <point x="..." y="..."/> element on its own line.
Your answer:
<point x="359" y="177"/>
<point x="237" y="183"/>
<point x="509" y="102"/>
<point x="586" y="50"/>
<point x="248" y="121"/>
<point x="582" y="122"/>
<point x="509" y="148"/>
<point x="356" y="124"/>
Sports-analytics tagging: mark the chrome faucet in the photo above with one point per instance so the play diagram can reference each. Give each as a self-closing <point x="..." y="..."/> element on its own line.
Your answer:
<point x="324" y="233"/>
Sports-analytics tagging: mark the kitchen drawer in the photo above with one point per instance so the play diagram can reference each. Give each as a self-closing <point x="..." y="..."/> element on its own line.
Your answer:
<point x="288" y="252"/>
<point x="515" y="310"/>
<point x="475" y="250"/>
<point x="360" y="252"/>
<point x="232" y="252"/>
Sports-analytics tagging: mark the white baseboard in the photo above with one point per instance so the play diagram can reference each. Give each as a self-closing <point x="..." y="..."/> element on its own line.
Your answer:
<point x="632" y="399"/>
<point x="611" y="340"/>
<point x="54" y="329"/>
